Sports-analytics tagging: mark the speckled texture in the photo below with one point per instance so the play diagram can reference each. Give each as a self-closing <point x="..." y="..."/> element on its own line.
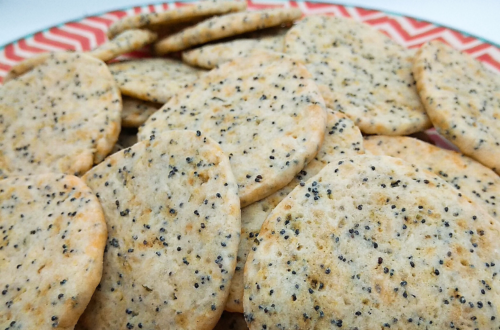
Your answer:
<point x="231" y="321"/>
<point x="51" y="251"/>
<point x="264" y="111"/>
<point x="180" y="15"/>
<point x="24" y="66"/>
<point x="210" y="56"/>
<point x="474" y="180"/>
<point x="360" y="72"/>
<point x="155" y="80"/>
<point x="342" y="138"/>
<point x="226" y="26"/>
<point x="123" y="43"/>
<point x="135" y="112"/>
<point x="462" y="99"/>
<point x="63" y="116"/>
<point x="373" y="243"/>
<point x="173" y="217"/>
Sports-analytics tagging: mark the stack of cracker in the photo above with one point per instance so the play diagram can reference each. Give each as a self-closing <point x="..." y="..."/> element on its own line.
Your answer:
<point x="259" y="173"/>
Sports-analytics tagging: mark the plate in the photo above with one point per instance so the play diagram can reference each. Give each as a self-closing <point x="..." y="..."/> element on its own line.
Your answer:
<point x="87" y="33"/>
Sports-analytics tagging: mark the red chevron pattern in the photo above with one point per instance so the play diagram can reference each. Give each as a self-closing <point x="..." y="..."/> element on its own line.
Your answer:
<point x="91" y="31"/>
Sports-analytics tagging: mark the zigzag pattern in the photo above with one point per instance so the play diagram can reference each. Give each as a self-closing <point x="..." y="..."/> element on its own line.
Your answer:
<point x="91" y="31"/>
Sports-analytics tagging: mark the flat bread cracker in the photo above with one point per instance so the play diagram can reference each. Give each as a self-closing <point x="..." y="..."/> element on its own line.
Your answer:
<point x="211" y="56"/>
<point x="462" y="99"/>
<point x="135" y="112"/>
<point x="360" y="72"/>
<point x="264" y="111"/>
<point x="474" y="180"/>
<point x="226" y="26"/>
<point x="123" y="43"/>
<point x="69" y="101"/>
<point x="51" y="252"/>
<point x="342" y="138"/>
<point x="176" y="16"/>
<point x="173" y="217"/>
<point x="371" y="242"/>
<point x="155" y="80"/>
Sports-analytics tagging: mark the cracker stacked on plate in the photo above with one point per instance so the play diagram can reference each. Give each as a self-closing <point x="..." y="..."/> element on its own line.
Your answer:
<point x="250" y="187"/>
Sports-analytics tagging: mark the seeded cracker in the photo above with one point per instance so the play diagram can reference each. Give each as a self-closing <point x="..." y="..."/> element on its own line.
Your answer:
<point x="173" y="215"/>
<point x="210" y="56"/>
<point x="360" y="72"/>
<point x="462" y="99"/>
<point x="123" y="43"/>
<point x="264" y="111"/>
<point x="176" y="16"/>
<point x="226" y="26"/>
<point x="69" y="101"/>
<point x="155" y="80"/>
<point x="342" y="138"/>
<point x="53" y="237"/>
<point x="373" y="243"/>
<point x="135" y="112"/>
<point x="231" y="321"/>
<point x="474" y="180"/>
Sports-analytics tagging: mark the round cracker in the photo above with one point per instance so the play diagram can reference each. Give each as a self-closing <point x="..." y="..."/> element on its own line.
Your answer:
<point x="264" y="111"/>
<point x="51" y="252"/>
<point x="123" y="43"/>
<point x="173" y="215"/>
<point x="474" y="180"/>
<point x="176" y="16"/>
<point x="342" y="138"/>
<point x="69" y="101"/>
<point x="135" y="112"/>
<point x="462" y="99"/>
<point x="360" y="72"/>
<point x="155" y="80"/>
<point x="211" y="56"/>
<point x="371" y="242"/>
<point x="231" y="321"/>
<point x="226" y="26"/>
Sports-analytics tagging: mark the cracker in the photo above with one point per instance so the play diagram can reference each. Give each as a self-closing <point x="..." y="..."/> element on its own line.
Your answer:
<point x="155" y="80"/>
<point x="231" y="321"/>
<point x="177" y="16"/>
<point x="135" y="112"/>
<point x="360" y="72"/>
<point x="123" y="43"/>
<point x="264" y="111"/>
<point x="462" y="99"/>
<point x="173" y="216"/>
<point x="342" y="138"/>
<point x="63" y="116"/>
<point x="371" y="242"/>
<point x="226" y="26"/>
<point x="211" y="56"/>
<point x="474" y="180"/>
<point x="51" y="252"/>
